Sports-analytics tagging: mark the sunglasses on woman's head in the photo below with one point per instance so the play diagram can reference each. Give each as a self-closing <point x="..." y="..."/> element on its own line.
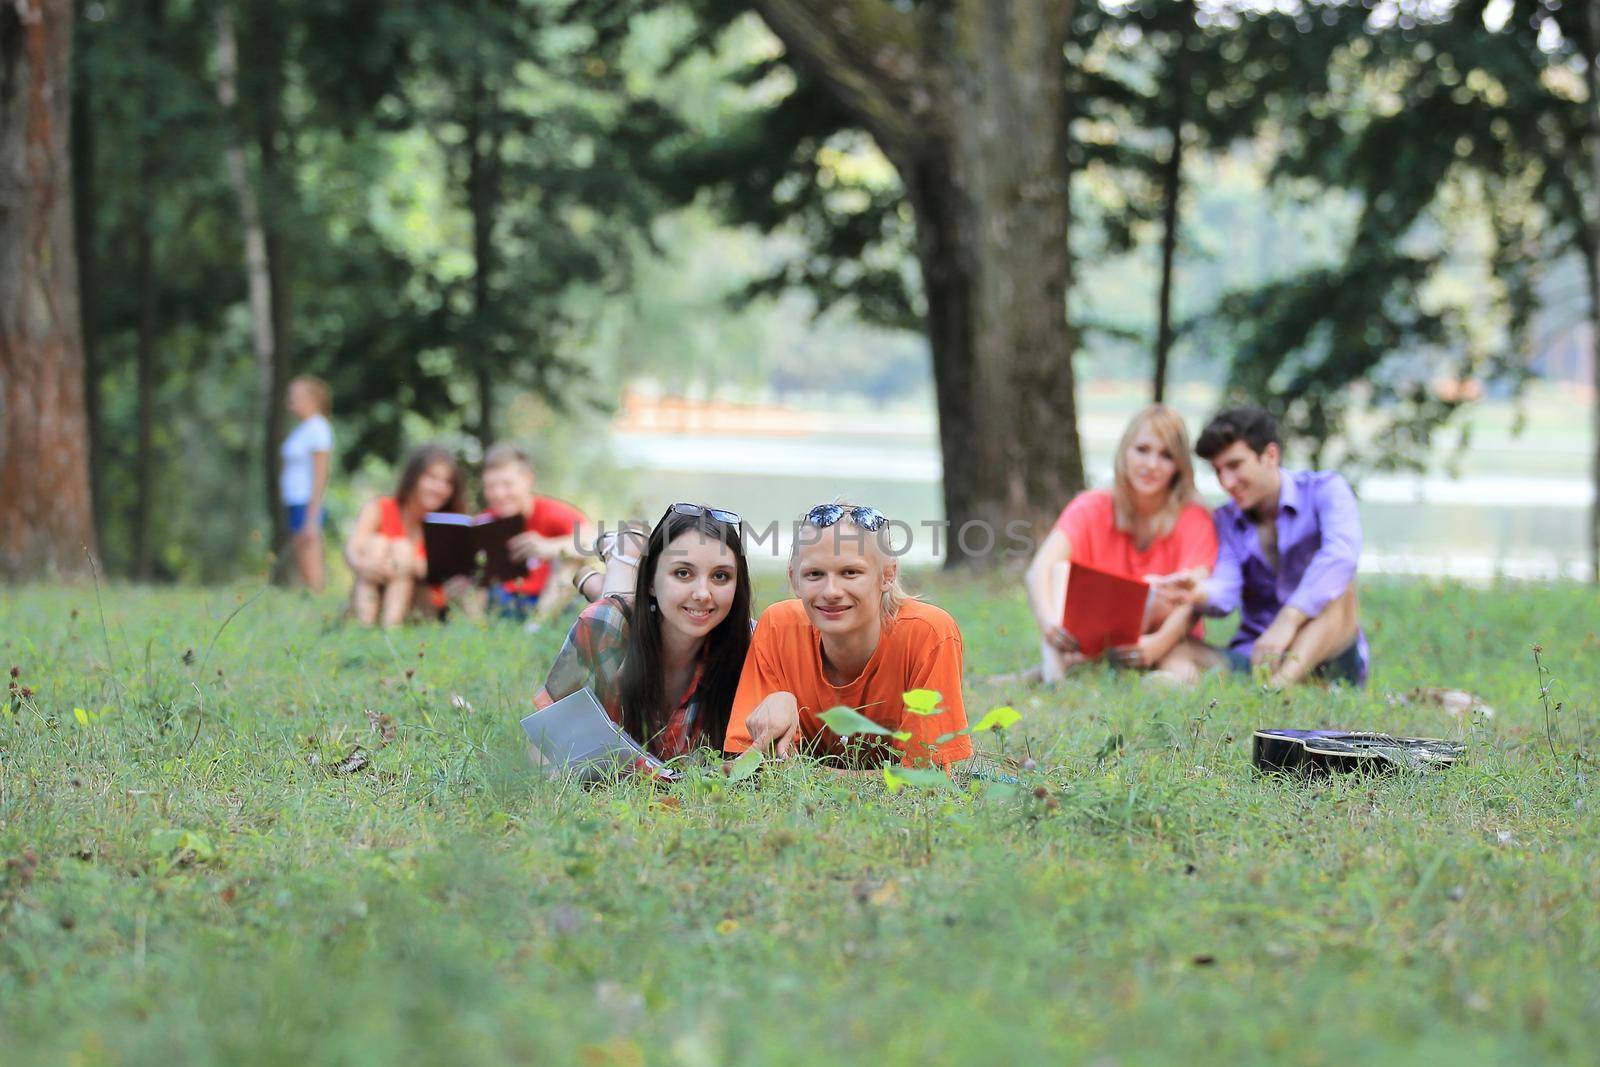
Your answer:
<point x="694" y="511"/>
<point x="825" y="515"/>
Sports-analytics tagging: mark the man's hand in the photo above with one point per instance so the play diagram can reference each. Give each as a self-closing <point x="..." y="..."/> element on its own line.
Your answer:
<point x="1274" y="642"/>
<point x="525" y="546"/>
<point x="1182" y="589"/>
<point x="776" y="722"/>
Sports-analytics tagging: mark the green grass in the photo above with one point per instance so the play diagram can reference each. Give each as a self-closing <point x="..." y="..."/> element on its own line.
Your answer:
<point x="441" y="905"/>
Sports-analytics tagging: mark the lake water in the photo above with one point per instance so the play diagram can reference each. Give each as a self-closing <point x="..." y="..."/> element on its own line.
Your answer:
<point x="1475" y="527"/>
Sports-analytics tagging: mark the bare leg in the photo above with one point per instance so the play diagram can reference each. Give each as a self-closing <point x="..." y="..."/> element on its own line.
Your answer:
<point x="308" y="558"/>
<point x="1053" y="662"/>
<point x="1188" y="660"/>
<point x="1319" y="640"/>
<point x="366" y="595"/>
<point x="365" y="598"/>
<point x="399" y="591"/>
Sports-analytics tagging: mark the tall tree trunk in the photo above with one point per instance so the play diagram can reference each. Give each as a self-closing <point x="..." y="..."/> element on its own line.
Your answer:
<point x="46" y="522"/>
<point x="265" y="308"/>
<point x="483" y="197"/>
<point x="968" y="100"/>
<point x="1593" y="71"/>
<point x="1171" y="194"/>
<point x="274" y="182"/>
<point x="145" y="300"/>
<point x="85" y="219"/>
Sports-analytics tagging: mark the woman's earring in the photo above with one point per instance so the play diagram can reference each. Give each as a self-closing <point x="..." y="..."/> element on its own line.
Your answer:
<point x="652" y="603"/>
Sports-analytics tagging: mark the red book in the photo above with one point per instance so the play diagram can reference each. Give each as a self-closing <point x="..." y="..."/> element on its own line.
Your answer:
<point x="1103" y="610"/>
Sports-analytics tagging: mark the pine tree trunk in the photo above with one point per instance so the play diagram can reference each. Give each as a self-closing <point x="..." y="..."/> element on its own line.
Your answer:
<point x="268" y="310"/>
<point x="147" y="328"/>
<point x="46" y="524"/>
<point x="483" y="172"/>
<point x="276" y="371"/>
<point x="969" y="102"/>
<point x="1171" y="195"/>
<point x="1593" y="65"/>
<point x="84" y="216"/>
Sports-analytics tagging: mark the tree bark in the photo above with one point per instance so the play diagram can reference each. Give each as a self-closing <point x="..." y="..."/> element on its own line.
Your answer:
<point x="274" y="178"/>
<point x="85" y="221"/>
<point x="267" y="297"/>
<point x="1171" y="193"/>
<point x="1593" y="265"/>
<point x="46" y="524"/>
<point x="969" y="103"/>
<point x="145" y="300"/>
<point x="483" y="199"/>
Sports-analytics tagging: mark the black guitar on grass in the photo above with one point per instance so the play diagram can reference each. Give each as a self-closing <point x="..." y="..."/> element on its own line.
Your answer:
<point x="1312" y="751"/>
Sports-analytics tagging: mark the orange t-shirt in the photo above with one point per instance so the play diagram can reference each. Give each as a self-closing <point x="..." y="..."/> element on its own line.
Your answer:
<point x="919" y="649"/>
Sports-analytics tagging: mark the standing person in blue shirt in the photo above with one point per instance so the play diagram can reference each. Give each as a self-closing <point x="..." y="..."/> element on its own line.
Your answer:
<point x="1288" y="544"/>
<point x="303" y="475"/>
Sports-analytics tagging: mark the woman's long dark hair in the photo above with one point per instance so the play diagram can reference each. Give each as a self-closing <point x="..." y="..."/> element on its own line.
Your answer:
<point x="644" y="713"/>
<point x="417" y="462"/>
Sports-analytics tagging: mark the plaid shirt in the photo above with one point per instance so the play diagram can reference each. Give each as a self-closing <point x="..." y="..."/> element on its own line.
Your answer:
<point x="592" y="657"/>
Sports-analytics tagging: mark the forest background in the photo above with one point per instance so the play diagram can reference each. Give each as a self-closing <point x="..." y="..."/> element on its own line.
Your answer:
<point x="485" y="218"/>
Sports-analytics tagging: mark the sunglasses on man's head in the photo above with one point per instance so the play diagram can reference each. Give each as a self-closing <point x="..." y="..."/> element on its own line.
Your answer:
<point x="694" y="511"/>
<point x="825" y="515"/>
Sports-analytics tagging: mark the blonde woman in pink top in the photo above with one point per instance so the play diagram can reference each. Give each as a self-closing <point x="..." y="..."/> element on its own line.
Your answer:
<point x="1149" y="523"/>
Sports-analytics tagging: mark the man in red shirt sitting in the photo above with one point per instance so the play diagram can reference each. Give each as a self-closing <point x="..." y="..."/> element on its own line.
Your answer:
<point x="553" y="530"/>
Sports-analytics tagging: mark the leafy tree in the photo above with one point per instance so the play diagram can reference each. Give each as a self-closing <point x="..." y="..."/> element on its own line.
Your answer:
<point x="971" y="108"/>
<point x="1412" y="109"/>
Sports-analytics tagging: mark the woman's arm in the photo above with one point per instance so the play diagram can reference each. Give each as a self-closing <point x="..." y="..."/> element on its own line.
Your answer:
<point x="1155" y="645"/>
<point x="1039" y="580"/>
<point x="357" y="547"/>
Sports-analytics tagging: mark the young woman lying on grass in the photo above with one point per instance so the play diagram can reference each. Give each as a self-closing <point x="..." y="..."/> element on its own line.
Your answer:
<point x="1149" y="523"/>
<point x="385" y="548"/>
<point x="851" y="637"/>
<point x="664" y="660"/>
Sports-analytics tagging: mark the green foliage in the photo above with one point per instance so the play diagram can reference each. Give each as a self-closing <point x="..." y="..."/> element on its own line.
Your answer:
<point x="1419" y="119"/>
<point x="443" y="902"/>
<point x="848" y="722"/>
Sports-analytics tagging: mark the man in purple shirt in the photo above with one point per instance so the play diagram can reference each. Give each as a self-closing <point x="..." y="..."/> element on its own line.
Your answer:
<point x="1288" y="543"/>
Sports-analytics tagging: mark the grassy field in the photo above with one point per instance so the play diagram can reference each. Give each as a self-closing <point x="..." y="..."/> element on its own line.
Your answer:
<point x="213" y="880"/>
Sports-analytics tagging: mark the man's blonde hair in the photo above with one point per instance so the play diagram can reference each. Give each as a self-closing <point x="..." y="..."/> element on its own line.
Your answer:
<point x="1168" y="427"/>
<point x="894" y="596"/>
<point x="506" y="454"/>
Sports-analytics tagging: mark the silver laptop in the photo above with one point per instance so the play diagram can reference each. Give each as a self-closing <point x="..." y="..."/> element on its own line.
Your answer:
<point x="575" y="735"/>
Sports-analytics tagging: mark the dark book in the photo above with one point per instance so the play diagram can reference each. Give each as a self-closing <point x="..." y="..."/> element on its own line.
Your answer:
<point x="462" y="544"/>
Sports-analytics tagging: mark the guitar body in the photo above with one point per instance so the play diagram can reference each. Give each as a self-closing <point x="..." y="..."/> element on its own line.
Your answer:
<point x="1343" y="751"/>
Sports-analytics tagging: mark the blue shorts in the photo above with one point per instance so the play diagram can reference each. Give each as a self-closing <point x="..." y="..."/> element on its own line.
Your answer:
<point x="1345" y="667"/>
<point x="508" y="605"/>
<point x="297" y="516"/>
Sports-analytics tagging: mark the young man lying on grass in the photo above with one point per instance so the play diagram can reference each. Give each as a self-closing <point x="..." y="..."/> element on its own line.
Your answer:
<point x="853" y="638"/>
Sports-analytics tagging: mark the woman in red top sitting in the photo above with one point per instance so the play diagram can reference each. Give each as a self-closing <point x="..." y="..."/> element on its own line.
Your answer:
<point x="385" y="547"/>
<point x="1149" y="523"/>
